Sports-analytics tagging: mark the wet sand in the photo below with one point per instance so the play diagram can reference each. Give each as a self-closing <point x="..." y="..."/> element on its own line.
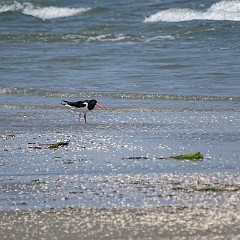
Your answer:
<point x="172" y="207"/>
<point x="94" y="189"/>
<point x="165" y="222"/>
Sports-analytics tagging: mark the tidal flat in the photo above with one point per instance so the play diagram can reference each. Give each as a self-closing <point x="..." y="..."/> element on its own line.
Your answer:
<point x="115" y="179"/>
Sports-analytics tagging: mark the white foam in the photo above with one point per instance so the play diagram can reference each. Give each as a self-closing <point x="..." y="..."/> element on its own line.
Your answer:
<point x="109" y="38"/>
<point x="221" y="11"/>
<point x="42" y="12"/>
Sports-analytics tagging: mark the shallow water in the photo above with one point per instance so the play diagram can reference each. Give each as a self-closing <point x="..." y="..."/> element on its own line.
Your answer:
<point x="83" y="173"/>
<point x="169" y="87"/>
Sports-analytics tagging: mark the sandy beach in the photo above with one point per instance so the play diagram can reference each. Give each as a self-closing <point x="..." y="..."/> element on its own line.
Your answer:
<point x="145" y="223"/>
<point x="172" y="207"/>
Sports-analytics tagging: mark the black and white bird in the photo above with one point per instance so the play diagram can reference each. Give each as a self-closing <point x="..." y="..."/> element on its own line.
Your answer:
<point x="83" y="106"/>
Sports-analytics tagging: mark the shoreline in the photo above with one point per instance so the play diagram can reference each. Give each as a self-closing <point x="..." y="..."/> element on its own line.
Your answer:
<point x="164" y="222"/>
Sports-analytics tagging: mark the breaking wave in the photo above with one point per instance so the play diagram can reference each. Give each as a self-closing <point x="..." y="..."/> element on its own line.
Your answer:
<point x="221" y="11"/>
<point x="43" y="13"/>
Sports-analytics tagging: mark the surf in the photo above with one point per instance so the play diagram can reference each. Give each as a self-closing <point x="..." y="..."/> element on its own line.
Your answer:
<point x="44" y="13"/>
<point x="221" y="11"/>
<point x="16" y="91"/>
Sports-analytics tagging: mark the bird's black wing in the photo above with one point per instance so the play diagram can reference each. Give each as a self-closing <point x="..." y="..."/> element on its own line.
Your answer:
<point x="78" y="104"/>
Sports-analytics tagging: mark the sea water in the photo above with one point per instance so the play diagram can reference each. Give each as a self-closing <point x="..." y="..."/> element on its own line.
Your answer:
<point x="167" y="73"/>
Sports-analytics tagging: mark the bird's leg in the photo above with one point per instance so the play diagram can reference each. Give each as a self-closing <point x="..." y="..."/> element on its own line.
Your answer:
<point x="85" y="117"/>
<point x="79" y="117"/>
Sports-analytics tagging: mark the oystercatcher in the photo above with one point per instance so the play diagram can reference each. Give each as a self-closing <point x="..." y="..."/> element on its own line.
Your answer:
<point x="82" y="106"/>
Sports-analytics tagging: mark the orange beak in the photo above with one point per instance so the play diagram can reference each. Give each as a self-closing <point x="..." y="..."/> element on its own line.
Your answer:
<point x="97" y="104"/>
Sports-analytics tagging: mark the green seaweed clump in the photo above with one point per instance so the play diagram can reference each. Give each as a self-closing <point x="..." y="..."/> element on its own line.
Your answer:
<point x="190" y="156"/>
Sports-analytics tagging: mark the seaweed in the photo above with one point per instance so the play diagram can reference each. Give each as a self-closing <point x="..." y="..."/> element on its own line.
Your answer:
<point x="195" y="156"/>
<point x="217" y="189"/>
<point x="47" y="145"/>
<point x="189" y="156"/>
<point x="57" y="145"/>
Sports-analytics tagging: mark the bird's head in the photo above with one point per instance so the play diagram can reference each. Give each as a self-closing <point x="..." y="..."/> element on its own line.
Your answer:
<point x="94" y="102"/>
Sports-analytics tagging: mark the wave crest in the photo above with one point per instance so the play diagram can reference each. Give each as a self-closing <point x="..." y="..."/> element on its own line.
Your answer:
<point x="43" y="13"/>
<point x="221" y="11"/>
